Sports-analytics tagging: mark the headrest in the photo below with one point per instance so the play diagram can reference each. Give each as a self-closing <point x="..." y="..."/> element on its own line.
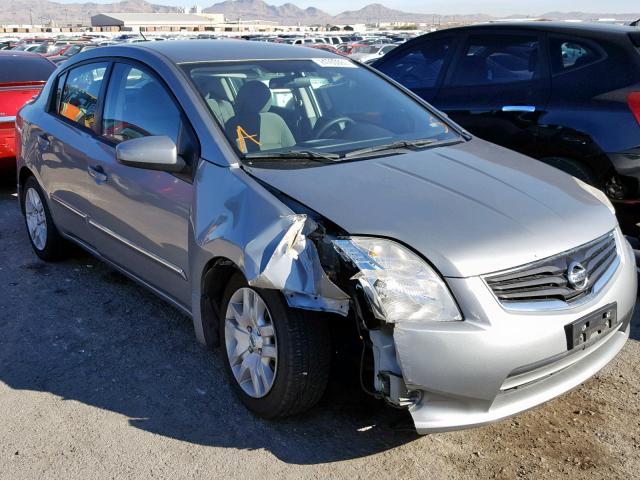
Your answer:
<point x="212" y="86"/>
<point x="253" y="97"/>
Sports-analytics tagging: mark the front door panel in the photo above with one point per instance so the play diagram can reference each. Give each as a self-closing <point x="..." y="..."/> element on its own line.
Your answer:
<point x="140" y="219"/>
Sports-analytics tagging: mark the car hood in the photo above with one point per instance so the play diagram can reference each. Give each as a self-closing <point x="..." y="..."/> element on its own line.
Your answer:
<point x="471" y="209"/>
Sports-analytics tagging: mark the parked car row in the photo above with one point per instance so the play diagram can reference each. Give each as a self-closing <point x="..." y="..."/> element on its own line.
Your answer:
<point x="295" y="203"/>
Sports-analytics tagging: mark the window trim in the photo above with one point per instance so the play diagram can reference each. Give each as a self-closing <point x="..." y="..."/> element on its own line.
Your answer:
<point x="594" y="45"/>
<point x="463" y="43"/>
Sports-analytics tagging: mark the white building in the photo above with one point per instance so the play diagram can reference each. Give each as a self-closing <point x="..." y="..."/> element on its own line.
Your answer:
<point x="154" y="21"/>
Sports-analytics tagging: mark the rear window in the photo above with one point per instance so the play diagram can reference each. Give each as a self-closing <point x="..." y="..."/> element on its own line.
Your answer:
<point x="21" y="68"/>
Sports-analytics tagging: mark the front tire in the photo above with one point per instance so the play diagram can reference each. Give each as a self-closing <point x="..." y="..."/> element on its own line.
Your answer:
<point x="277" y="358"/>
<point x="45" y="239"/>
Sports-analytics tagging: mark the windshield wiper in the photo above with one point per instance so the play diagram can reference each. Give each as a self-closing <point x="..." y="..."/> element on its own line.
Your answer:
<point x="295" y="154"/>
<point x="410" y="144"/>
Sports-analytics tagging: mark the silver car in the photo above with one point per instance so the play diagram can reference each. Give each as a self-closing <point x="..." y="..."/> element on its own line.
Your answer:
<point x="274" y="193"/>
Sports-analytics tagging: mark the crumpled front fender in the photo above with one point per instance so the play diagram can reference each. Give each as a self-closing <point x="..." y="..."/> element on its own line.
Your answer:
<point x="237" y="219"/>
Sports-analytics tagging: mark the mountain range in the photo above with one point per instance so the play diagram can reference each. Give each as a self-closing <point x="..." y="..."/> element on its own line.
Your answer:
<point x="44" y="11"/>
<point x="292" y="14"/>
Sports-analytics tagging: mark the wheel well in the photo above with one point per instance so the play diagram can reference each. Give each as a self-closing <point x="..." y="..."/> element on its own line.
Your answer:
<point x="25" y="173"/>
<point x="215" y="277"/>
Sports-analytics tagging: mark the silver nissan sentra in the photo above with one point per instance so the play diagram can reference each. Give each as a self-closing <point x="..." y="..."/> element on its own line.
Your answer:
<point x="274" y="192"/>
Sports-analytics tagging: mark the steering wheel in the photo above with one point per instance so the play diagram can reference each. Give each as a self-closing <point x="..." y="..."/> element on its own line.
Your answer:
<point x="332" y="124"/>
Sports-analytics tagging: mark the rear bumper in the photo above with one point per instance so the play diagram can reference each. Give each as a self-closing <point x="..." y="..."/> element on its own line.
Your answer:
<point x="7" y="141"/>
<point x="497" y="363"/>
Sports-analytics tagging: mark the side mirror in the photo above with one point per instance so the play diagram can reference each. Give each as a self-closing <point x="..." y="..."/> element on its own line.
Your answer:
<point x="153" y="153"/>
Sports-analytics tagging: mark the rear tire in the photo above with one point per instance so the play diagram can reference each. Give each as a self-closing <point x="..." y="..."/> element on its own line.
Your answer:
<point x="299" y="340"/>
<point x="574" y="168"/>
<point x="45" y="239"/>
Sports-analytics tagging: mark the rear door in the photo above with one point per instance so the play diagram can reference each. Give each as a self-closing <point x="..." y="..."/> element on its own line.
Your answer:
<point x="67" y="142"/>
<point x="498" y="87"/>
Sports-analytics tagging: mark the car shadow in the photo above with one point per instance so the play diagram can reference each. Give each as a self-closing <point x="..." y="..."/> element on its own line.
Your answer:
<point x="81" y="331"/>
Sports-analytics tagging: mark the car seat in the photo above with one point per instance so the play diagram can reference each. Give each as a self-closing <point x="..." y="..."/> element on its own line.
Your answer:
<point x="253" y="126"/>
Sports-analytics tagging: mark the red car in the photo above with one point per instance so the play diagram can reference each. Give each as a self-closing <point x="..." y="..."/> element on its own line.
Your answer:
<point x="22" y="76"/>
<point x="328" y="48"/>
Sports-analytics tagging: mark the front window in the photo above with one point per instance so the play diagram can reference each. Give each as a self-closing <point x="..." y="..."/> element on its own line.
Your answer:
<point x="137" y="105"/>
<point x="420" y="66"/>
<point x="323" y="106"/>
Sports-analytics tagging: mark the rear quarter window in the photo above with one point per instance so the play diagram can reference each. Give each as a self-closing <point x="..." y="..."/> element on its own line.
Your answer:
<point x="21" y="68"/>
<point x="570" y="54"/>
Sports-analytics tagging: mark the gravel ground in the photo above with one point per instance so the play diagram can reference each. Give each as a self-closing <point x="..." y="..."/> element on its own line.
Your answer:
<point x="100" y="379"/>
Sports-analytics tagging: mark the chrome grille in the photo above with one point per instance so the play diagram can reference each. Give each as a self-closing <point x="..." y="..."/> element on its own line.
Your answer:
<point x="548" y="279"/>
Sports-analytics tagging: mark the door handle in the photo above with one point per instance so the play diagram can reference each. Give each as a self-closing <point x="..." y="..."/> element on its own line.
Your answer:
<point x="97" y="173"/>
<point x="519" y="108"/>
<point x="43" y="140"/>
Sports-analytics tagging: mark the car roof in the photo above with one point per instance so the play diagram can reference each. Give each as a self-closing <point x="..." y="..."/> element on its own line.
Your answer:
<point x="556" y="27"/>
<point x="19" y="53"/>
<point x="184" y="51"/>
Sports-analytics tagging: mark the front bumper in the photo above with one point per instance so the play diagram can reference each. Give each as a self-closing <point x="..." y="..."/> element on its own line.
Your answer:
<point x="497" y="362"/>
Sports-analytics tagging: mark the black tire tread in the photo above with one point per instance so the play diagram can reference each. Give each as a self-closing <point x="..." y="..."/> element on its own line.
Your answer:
<point x="306" y="341"/>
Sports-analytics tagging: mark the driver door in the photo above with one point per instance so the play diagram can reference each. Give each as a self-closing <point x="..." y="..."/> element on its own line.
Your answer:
<point x="141" y="217"/>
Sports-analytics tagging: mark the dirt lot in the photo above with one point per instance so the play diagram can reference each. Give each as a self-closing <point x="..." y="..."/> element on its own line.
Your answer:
<point x="100" y="379"/>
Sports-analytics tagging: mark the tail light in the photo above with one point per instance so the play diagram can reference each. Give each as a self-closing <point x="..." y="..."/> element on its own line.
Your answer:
<point x="634" y="104"/>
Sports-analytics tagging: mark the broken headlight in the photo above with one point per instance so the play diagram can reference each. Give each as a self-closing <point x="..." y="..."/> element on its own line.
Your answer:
<point x="399" y="284"/>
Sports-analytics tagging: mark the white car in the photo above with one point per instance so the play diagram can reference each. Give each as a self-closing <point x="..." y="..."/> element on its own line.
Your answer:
<point x="371" y="52"/>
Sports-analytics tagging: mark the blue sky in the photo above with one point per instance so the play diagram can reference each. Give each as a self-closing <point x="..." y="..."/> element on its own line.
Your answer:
<point x="494" y="7"/>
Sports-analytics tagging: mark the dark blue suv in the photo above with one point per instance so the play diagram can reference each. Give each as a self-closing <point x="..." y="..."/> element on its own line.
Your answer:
<point x="566" y="94"/>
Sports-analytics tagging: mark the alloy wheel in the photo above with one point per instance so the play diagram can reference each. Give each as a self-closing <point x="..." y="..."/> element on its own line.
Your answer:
<point x="251" y="344"/>
<point x="36" y="218"/>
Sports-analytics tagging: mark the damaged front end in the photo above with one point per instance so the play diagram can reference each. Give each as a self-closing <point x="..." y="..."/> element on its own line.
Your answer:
<point x="377" y="284"/>
<point x="292" y="265"/>
<point x="384" y="286"/>
<point x="395" y="288"/>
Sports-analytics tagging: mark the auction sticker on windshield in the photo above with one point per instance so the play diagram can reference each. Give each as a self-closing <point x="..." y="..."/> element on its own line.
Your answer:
<point x="334" y="62"/>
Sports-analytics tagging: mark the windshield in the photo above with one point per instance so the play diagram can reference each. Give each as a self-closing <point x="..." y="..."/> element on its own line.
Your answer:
<point x="43" y="48"/>
<point x="330" y="106"/>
